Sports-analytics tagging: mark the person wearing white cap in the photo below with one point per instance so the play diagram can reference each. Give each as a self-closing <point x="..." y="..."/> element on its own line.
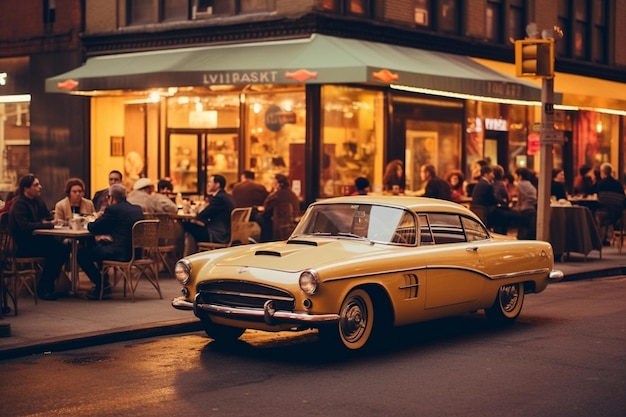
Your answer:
<point x="143" y="195"/>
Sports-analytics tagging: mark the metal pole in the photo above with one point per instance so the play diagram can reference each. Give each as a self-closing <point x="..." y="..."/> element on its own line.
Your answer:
<point x="545" y="159"/>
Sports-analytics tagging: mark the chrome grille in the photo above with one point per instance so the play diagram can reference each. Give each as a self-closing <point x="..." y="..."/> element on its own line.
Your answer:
<point x="243" y="294"/>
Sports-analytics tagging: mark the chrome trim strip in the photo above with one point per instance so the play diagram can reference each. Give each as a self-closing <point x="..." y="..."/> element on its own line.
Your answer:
<point x="248" y="295"/>
<point x="521" y="273"/>
<point x="279" y="316"/>
<point x="426" y="267"/>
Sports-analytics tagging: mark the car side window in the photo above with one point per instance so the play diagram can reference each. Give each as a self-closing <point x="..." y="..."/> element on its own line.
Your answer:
<point x="426" y="236"/>
<point x="405" y="231"/>
<point x="446" y="228"/>
<point x="474" y="230"/>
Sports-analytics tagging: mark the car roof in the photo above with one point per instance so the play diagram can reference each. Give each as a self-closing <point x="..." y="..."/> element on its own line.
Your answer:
<point x="417" y="204"/>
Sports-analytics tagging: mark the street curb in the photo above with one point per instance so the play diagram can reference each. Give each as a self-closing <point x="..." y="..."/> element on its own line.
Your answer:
<point x="103" y="337"/>
<point x="600" y="273"/>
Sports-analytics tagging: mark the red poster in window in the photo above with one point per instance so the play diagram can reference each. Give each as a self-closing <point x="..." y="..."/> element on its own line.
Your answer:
<point x="533" y="144"/>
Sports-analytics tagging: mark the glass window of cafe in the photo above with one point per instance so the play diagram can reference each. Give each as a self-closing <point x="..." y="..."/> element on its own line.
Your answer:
<point x="352" y="139"/>
<point x="432" y="130"/>
<point x="14" y="142"/>
<point x="275" y="129"/>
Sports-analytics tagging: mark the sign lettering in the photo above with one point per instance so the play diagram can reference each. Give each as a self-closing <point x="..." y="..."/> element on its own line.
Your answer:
<point x="496" y="124"/>
<point x="3" y="78"/>
<point x="504" y="89"/>
<point x="240" y="77"/>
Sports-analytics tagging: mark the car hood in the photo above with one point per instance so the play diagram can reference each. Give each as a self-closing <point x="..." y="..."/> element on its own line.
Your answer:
<point x="296" y="255"/>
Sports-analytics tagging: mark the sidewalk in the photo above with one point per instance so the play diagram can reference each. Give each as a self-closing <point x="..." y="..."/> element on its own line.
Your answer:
<point x="71" y="323"/>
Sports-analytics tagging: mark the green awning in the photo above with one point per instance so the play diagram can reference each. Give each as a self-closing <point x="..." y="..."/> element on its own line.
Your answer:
<point x="318" y="59"/>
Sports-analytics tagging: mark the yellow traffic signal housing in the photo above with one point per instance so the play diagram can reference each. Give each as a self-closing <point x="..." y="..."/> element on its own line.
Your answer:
<point x="534" y="58"/>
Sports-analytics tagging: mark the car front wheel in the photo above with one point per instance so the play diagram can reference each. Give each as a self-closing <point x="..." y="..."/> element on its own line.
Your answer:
<point x="356" y="322"/>
<point x="221" y="333"/>
<point x="508" y="304"/>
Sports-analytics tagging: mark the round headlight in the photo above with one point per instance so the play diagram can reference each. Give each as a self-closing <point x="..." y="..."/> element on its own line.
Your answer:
<point x="309" y="281"/>
<point x="182" y="271"/>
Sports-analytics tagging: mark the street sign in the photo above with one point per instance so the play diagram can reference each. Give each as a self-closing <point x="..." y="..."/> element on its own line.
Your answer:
<point x="552" y="137"/>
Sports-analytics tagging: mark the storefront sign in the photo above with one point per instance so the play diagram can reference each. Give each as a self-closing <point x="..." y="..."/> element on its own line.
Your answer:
<point x="496" y="124"/>
<point x="504" y="89"/>
<point x="276" y="118"/>
<point x="3" y="78"/>
<point x="240" y="77"/>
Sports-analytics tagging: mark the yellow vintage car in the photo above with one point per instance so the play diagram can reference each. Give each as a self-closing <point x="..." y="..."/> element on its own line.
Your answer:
<point x="354" y="267"/>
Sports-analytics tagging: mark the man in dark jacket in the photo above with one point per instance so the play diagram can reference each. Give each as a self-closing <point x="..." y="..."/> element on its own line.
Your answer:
<point x="435" y="187"/>
<point x="483" y="198"/>
<point x="212" y="224"/>
<point x="113" y="230"/>
<point x="248" y="193"/>
<point x="29" y="212"/>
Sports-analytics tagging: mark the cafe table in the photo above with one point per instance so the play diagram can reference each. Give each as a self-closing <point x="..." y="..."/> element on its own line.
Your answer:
<point x="573" y="229"/>
<point x="65" y="232"/>
<point x="590" y="201"/>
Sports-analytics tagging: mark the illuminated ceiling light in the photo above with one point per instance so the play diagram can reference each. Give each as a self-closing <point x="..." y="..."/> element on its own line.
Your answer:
<point x="154" y="97"/>
<point x="16" y="98"/>
<point x="199" y="106"/>
<point x="257" y="107"/>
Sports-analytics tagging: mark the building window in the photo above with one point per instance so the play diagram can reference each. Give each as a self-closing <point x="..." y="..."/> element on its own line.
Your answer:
<point x="516" y="28"/>
<point x="494" y="20"/>
<point x="330" y="5"/>
<point x="140" y="12"/>
<point x="422" y="13"/>
<point x="175" y="10"/>
<point x="581" y="29"/>
<point x="348" y="7"/>
<point x="562" y="48"/>
<point x="600" y="35"/>
<point x="214" y="7"/>
<point x="448" y="19"/>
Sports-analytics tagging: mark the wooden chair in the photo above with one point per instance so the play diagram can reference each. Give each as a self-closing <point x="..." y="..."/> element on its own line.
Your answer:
<point x="16" y="273"/>
<point x="145" y="243"/>
<point x="241" y="229"/>
<point x="167" y="239"/>
<point x="619" y="232"/>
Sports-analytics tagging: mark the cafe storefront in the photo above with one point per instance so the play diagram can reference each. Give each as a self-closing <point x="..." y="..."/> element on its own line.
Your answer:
<point x="14" y="122"/>
<point x="322" y="110"/>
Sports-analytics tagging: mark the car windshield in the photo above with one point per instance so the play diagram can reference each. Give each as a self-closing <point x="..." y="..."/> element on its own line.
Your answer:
<point x="359" y="221"/>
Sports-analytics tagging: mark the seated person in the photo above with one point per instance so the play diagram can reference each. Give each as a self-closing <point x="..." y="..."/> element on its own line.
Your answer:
<point x="74" y="203"/>
<point x="611" y="198"/>
<point x="212" y="224"/>
<point x="29" y="212"/>
<point x="113" y="230"/>
<point x="362" y="186"/>
<point x="277" y="219"/>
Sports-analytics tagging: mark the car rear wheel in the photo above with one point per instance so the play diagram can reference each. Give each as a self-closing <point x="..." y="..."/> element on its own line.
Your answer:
<point x="221" y="333"/>
<point x="508" y="303"/>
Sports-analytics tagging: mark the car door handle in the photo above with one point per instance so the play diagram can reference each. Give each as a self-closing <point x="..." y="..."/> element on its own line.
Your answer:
<point x="472" y="249"/>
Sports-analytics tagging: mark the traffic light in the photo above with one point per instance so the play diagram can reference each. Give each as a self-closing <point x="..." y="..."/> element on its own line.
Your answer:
<point x="534" y="58"/>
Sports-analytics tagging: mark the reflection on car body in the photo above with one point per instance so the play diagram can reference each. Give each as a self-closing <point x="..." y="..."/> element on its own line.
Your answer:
<point x="354" y="267"/>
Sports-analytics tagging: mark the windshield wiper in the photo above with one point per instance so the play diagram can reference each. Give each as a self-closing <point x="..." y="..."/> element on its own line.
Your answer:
<point x="355" y="236"/>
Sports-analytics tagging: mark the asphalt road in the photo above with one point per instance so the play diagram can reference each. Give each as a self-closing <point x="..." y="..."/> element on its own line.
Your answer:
<point x="566" y="356"/>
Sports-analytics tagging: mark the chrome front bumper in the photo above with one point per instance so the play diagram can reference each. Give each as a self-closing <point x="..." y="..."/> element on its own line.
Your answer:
<point x="556" y="275"/>
<point x="268" y="313"/>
